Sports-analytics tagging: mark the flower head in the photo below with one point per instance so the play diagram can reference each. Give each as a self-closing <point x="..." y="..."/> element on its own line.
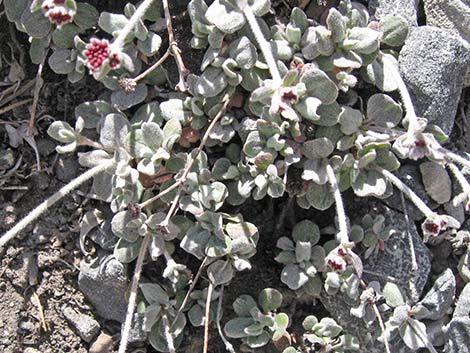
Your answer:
<point x="58" y="12"/>
<point x="98" y="53"/>
<point x="436" y="223"/>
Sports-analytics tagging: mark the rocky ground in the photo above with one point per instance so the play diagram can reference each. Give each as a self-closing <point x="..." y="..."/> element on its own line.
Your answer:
<point x="54" y="298"/>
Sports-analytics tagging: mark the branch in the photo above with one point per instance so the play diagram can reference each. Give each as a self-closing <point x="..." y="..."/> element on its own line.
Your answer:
<point x="342" y="221"/>
<point x="45" y="205"/>
<point x="207" y="317"/>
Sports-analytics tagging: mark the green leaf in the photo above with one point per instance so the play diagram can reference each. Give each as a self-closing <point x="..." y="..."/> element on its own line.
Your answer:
<point x="154" y="293"/>
<point x="150" y="45"/>
<point x="362" y="40"/>
<point x="336" y="24"/>
<point x="125" y="251"/>
<point x="293" y="276"/>
<point x="393" y="295"/>
<point x="350" y="120"/>
<point x="64" y="36"/>
<point x="220" y="272"/>
<point x="62" y="132"/>
<point x="125" y="100"/>
<point x="112" y="23"/>
<point x="258" y="341"/>
<point x="114" y="130"/>
<point x="225" y="16"/>
<point x="395" y="30"/>
<point x="306" y="230"/>
<point x="235" y="328"/>
<point x="369" y="183"/>
<point x="243" y="304"/>
<point x="318" y="148"/>
<point x="35" y="24"/>
<point x="60" y="61"/>
<point x="244" y="53"/>
<point x="270" y="299"/>
<point x="152" y="135"/>
<point x="86" y="16"/>
<point x="380" y="72"/>
<point x="319" y="85"/>
<point x="320" y="196"/>
<point x="383" y="111"/>
<point x="171" y="132"/>
<point x="195" y="241"/>
<point x="211" y="82"/>
<point x="309" y="322"/>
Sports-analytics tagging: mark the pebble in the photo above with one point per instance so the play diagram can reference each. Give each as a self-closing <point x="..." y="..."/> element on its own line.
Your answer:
<point x="85" y="325"/>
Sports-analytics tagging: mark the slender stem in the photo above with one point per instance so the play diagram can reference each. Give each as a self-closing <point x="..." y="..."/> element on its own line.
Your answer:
<point x="188" y="167"/>
<point x="14" y="105"/>
<point x="228" y="345"/>
<point x="133" y="294"/>
<point x="459" y="176"/>
<point x="190" y="290"/>
<point x="45" y="205"/>
<point x="342" y="221"/>
<point x="130" y="25"/>
<point x="37" y="89"/>
<point x="406" y="98"/>
<point x="19" y="92"/>
<point x="168" y="336"/>
<point x="182" y="70"/>
<point x="414" y="263"/>
<point x="207" y="317"/>
<point x="153" y="67"/>
<point x="456" y="158"/>
<point x="263" y="44"/>
<point x="407" y="191"/>
<point x="382" y="327"/>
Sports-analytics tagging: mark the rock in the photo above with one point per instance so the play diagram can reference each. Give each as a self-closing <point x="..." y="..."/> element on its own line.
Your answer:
<point x="438" y="300"/>
<point x="7" y="159"/>
<point x="104" y="283"/>
<point x="435" y="330"/>
<point x="66" y="168"/>
<point x="458" y="336"/>
<point x="102" y="234"/>
<point x="46" y="146"/>
<point x="395" y="260"/>
<point x="137" y="334"/>
<point x="453" y="15"/>
<point x="462" y="308"/>
<point x="433" y="63"/>
<point x="405" y="8"/>
<point x="411" y="176"/>
<point x="85" y="325"/>
<point x="103" y="344"/>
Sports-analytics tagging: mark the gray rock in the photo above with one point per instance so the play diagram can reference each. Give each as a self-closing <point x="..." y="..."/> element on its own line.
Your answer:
<point x="439" y="298"/>
<point x="435" y="330"/>
<point x="104" y="282"/>
<point x="458" y="336"/>
<point x="103" y="235"/>
<point x="137" y="334"/>
<point x="86" y="326"/>
<point x="462" y="308"/>
<point x="66" y="168"/>
<point x="453" y="15"/>
<point x="433" y="63"/>
<point x="395" y="260"/>
<point x="411" y="176"/>
<point x="405" y="8"/>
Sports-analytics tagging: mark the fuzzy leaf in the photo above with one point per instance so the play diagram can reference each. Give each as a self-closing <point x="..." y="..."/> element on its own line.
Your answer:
<point x="244" y="53"/>
<point x="393" y="295"/>
<point x="379" y="72"/>
<point x="318" y="148"/>
<point x="150" y="45"/>
<point x="225" y="16"/>
<point x="319" y="85"/>
<point x="293" y="276"/>
<point x="383" y="110"/>
<point x="125" y="100"/>
<point x="171" y="132"/>
<point x="86" y="16"/>
<point x="62" y="132"/>
<point x="243" y="305"/>
<point x="112" y="23"/>
<point x="60" y="61"/>
<point x="235" y="328"/>
<point x="350" y="120"/>
<point x="220" y="272"/>
<point x="125" y="251"/>
<point x="270" y="299"/>
<point x="395" y="30"/>
<point x="306" y="230"/>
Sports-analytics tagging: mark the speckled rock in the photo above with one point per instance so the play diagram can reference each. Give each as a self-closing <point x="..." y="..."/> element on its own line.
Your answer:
<point x="433" y="63"/>
<point x="462" y="308"/>
<point x="405" y="8"/>
<point x="453" y="15"/>
<point x="411" y="176"/>
<point x="85" y="325"/>
<point x="104" y="282"/>
<point x="458" y="336"/>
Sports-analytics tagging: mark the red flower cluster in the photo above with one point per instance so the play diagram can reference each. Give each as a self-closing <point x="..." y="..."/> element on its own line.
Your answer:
<point x="59" y="16"/>
<point x="58" y="12"/>
<point x="97" y="52"/>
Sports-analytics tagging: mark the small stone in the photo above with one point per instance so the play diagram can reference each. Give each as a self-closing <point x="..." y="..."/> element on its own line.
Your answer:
<point x="86" y="326"/>
<point x="433" y="63"/>
<point x="104" y="282"/>
<point x="7" y="159"/>
<point x="66" y="168"/>
<point x="103" y="344"/>
<point x="40" y="180"/>
<point x="462" y="308"/>
<point x="46" y="147"/>
<point x="458" y="336"/>
<point x="405" y="8"/>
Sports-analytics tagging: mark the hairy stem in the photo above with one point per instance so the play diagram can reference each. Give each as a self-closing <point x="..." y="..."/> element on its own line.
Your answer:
<point x="168" y="336"/>
<point x="342" y="221"/>
<point x="228" y="345"/>
<point x="133" y="294"/>
<point x="263" y="44"/>
<point x="130" y="25"/>
<point x="153" y="67"/>
<point x="456" y="158"/>
<point x="207" y="317"/>
<point x="45" y="205"/>
<point x="407" y="191"/>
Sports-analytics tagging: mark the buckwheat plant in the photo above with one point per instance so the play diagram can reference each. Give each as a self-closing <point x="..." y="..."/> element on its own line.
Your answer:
<point x="274" y="110"/>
